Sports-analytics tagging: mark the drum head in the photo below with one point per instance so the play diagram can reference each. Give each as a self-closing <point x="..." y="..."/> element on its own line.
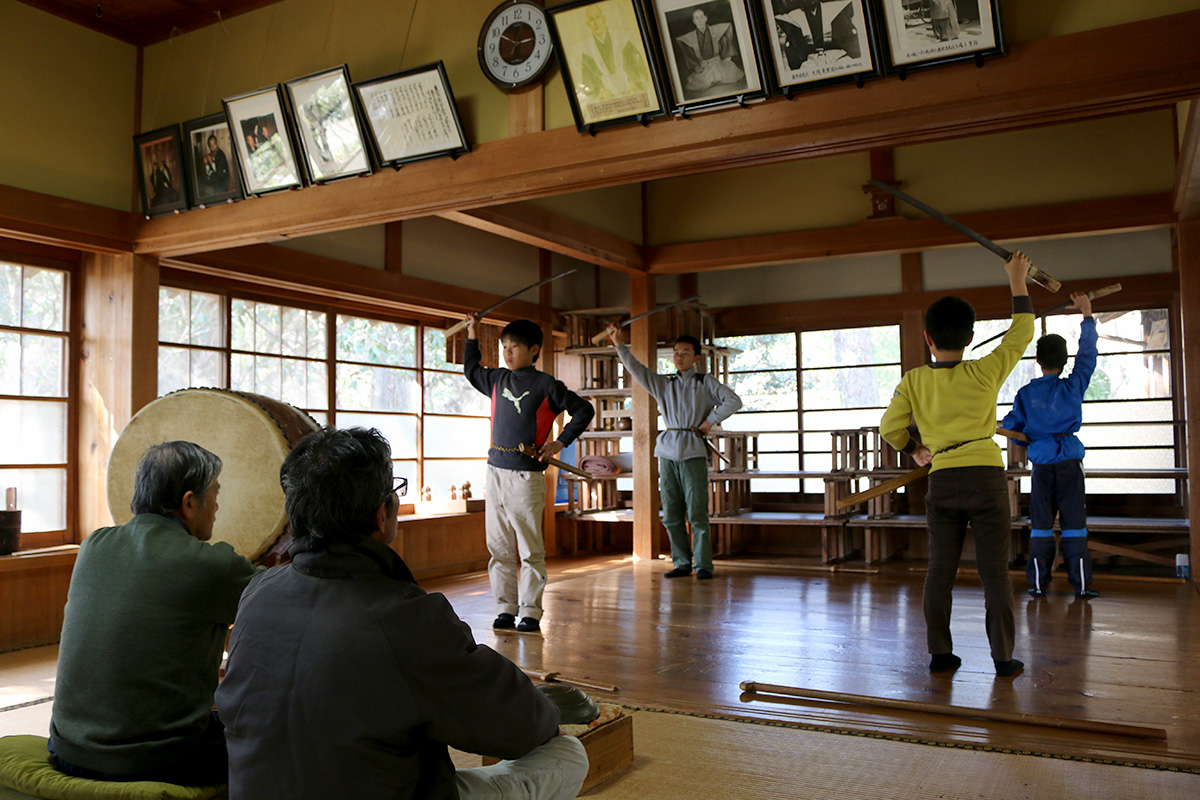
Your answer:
<point x="248" y="440"/>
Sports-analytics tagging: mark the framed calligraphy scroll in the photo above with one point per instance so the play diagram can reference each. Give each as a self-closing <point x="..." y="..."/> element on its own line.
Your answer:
<point x="327" y="126"/>
<point x="608" y="62"/>
<point x="412" y="116"/>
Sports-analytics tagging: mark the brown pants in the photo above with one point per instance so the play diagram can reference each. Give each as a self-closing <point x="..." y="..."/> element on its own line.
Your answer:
<point x="977" y="496"/>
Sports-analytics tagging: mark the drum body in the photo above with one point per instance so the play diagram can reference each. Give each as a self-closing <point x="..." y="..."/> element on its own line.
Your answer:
<point x="252" y="435"/>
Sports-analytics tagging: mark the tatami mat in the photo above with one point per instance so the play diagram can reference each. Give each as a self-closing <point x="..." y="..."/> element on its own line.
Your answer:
<point x="681" y="756"/>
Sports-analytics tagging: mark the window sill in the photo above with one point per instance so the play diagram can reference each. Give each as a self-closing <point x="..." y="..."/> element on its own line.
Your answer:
<point x="40" y="558"/>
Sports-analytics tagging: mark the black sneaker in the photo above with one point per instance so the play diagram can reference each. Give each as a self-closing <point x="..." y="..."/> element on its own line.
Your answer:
<point x="528" y="625"/>
<point x="1037" y="593"/>
<point x="703" y="575"/>
<point x="678" y="572"/>
<point x="1088" y="593"/>
<point x="505" y="621"/>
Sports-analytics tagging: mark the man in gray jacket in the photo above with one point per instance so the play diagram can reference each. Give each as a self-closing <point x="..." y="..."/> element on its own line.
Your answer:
<point x="345" y="679"/>
<point x="690" y="402"/>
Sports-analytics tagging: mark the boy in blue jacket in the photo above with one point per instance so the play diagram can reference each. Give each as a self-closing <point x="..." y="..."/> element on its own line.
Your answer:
<point x="1049" y="410"/>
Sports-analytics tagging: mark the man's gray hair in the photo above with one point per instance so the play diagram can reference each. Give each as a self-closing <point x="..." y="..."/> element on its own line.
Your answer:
<point x="168" y="471"/>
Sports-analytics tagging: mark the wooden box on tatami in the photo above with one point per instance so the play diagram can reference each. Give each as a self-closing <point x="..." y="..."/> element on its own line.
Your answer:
<point x="609" y="750"/>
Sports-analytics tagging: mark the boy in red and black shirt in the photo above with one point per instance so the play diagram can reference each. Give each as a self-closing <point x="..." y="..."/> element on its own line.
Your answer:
<point x="525" y="403"/>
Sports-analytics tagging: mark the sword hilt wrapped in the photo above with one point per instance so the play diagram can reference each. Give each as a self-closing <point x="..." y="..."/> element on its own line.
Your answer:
<point x="1042" y="279"/>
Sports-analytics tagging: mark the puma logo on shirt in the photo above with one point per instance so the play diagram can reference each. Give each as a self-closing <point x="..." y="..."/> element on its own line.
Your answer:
<point x="516" y="401"/>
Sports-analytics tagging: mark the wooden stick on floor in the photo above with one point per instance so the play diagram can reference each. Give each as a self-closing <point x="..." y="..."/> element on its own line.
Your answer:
<point x="556" y="677"/>
<point x="958" y="711"/>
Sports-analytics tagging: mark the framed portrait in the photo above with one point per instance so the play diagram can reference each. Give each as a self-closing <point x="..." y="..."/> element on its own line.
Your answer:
<point x="160" y="171"/>
<point x="925" y="33"/>
<point x="263" y="143"/>
<point x="814" y="43"/>
<point x="208" y="156"/>
<point x="709" y="51"/>
<point x="608" y="63"/>
<point x="412" y="116"/>
<point x="327" y="126"/>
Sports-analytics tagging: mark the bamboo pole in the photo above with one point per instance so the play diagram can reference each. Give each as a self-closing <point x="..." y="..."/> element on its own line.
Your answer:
<point x="1016" y="717"/>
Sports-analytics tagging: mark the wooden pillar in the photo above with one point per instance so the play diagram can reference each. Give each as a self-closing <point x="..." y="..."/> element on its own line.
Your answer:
<point x="913" y="351"/>
<point x="526" y="112"/>
<point x="546" y="363"/>
<point x="645" y="423"/>
<point x="393" y="239"/>
<point x="1189" y="308"/>
<point x="119" y="370"/>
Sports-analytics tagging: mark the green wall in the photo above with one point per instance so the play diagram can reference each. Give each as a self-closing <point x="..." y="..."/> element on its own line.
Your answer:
<point x="67" y="127"/>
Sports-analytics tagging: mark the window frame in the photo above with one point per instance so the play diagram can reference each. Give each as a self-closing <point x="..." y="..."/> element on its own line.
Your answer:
<point x="229" y="291"/>
<point x="72" y="323"/>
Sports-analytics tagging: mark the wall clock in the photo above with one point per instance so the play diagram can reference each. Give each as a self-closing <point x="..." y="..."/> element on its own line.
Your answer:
<point x="514" y="44"/>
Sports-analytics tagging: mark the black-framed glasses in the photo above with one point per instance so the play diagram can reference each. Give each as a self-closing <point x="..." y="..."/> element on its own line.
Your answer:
<point x="399" y="486"/>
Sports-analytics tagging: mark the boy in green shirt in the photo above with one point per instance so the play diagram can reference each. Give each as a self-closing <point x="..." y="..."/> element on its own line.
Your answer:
<point x="954" y="405"/>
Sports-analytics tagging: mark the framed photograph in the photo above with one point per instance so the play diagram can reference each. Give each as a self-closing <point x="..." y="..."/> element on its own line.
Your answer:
<point x="816" y="43"/>
<point x="709" y="51"/>
<point x="607" y="61"/>
<point x="327" y="126"/>
<point x="262" y="141"/>
<point x="925" y="33"/>
<point x="411" y="116"/>
<point x="212" y="170"/>
<point x="160" y="171"/>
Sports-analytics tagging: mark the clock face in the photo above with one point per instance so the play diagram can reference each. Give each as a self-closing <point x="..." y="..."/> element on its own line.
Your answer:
<point x="514" y="44"/>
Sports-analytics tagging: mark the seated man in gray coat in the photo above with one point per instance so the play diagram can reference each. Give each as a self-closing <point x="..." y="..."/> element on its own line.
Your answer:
<point x="345" y="679"/>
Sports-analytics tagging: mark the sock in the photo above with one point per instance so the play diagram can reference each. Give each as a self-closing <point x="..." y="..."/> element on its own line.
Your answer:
<point x="1008" y="668"/>
<point x="944" y="662"/>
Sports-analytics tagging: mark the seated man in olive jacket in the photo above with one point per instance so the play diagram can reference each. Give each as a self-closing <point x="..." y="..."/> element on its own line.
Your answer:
<point x="345" y="679"/>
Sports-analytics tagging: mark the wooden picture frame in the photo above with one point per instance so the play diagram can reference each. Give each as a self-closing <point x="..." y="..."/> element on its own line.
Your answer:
<point x="263" y="141"/>
<point x="161" y="177"/>
<point x="608" y="62"/>
<point x="914" y="34"/>
<point x="213" y="176"/>
<point x="710" y="52"/>
<point x="816" y="43"/>
<point x="328" y="130"/>
<point x="411" y="116"/>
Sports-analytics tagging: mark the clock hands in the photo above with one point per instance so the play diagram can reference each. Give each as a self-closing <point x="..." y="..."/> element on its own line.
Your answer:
<point x="508" y="38"/>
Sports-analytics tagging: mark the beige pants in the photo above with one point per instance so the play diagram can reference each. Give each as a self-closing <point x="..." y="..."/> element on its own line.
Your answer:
<point x="517" y="570"/>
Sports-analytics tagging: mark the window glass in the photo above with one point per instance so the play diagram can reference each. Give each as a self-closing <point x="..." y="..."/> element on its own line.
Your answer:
<point x="372" y="341"/>
<point x="43" y="299"/>
<point x="42" y="496"/>
<point x="399" y="430"/>
<point x="362" y="388"/>
<point x="34" y="432"/>
<point x="456" y="436"/>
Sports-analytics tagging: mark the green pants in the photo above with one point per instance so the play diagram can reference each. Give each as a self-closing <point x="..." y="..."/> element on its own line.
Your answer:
<point x="683" y="490"/>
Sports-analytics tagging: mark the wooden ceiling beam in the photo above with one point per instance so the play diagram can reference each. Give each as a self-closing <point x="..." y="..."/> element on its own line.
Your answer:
<point x="129" y="24"/>
<point x="1048" y="81"/>
<point x="528" y="223"/>
<point x="1187" y="175"/>
<point x="994" y="302"/>
<point x="897" y="234"/>
<point x="36" y="217"/>
<point x="283" y="268"/>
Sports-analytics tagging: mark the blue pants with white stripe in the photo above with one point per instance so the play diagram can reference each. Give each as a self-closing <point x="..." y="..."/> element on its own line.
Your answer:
<point x="1058" y="491"/>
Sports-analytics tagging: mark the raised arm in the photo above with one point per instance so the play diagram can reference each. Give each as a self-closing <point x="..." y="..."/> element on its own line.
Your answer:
<point x="1085" y="356"/>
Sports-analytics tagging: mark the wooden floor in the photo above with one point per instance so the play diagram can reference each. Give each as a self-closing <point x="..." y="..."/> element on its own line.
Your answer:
<point x="1131" y="656"/>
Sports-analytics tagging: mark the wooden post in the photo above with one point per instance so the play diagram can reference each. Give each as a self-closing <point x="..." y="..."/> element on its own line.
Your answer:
<point x="913" y="351"/>
<point x="1189" y="312"/>
<point x="393" y="239"/>
<point x="645" y="423"/>
<point x="119" y="370"/>
<point x="546" y="363"/>
<point x="526" y="112"/>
